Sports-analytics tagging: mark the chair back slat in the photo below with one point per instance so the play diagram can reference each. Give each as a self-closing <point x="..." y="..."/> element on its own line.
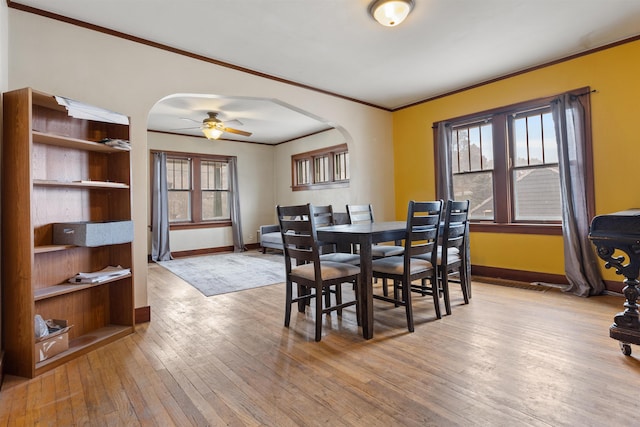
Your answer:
<point x="423" y="227"/>
<point x="323" y="216"/>
<point x="454" y="231"/>
<point x="360" y="214"/>
<point x="295" y="226"/>
<point x="299" y="239"/>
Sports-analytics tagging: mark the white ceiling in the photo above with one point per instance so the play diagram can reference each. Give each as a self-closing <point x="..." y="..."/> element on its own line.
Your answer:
<point x="269" y="120"/>
<point x="335" y="46"/>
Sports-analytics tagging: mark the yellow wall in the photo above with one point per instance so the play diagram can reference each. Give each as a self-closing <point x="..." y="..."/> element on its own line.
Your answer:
<point x="614" y="73"/>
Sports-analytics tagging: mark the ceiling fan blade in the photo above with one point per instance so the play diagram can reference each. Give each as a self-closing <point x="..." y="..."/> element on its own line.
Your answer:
<point x="191" y="120"/>
<point x="189" y="128"/>
<point x="236" y="131"/>
<point x="234" y="122"/>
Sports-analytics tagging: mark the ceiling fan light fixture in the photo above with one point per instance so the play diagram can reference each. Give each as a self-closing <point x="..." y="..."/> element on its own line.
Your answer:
<point x="211" y="132"/>
<point x="390" y="12"/>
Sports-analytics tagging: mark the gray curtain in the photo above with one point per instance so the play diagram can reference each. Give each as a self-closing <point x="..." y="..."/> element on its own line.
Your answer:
<point x="236" y="223"/>
<point x="444" y="181"/>
<point x="581" y="266"/>
<point x="160" y="210"/>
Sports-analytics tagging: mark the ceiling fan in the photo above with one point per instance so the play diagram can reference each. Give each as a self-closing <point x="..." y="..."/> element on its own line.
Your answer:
<point x="213" y="127"/>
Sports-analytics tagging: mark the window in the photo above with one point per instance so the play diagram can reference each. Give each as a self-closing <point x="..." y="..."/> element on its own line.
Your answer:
<point x="214" y="184"/>
<point x="472" y="167"/>
<point x="198" y="190"/>
<point x="325" y="168"/>
<point x="179" y="189"/>
<point x="535" y="173"/>
<point x="505" y="161"/>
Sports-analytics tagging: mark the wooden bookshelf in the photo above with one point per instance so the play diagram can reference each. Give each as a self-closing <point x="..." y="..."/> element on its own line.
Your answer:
<point x="54" y="170"/>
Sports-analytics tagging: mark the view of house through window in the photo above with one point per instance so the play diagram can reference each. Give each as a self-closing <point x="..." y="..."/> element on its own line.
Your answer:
<point x="198" y="189"/>
<point x="472" y="167"/>
<point x="535" y="175"/>
<point x="505" y="161"/>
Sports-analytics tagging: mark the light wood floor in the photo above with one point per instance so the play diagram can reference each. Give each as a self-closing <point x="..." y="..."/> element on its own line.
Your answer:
<point x="513" y="357"/>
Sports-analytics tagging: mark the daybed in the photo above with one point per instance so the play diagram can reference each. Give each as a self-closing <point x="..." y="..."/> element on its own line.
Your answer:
<point x="270" y="237"/>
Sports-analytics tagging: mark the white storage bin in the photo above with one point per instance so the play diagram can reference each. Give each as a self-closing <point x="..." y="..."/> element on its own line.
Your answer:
<point x="92" y="234"/>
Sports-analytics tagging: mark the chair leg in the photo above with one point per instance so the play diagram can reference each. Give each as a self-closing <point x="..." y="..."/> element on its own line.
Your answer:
<point x="385" y="290"/>
<point x="303" y="290"/>
<point x="406" y="297"/>
<point x="327" y="297"/>
<point x="445" y="290"/>
<point x="287" y="309"/>
<point x="464" y="284"/>
<point x="357" y="285"/>
<point x="396" y="284"/>
<point x="434" y="292"/>
<point x="423" y="287"/>
<point x="319" y="313"/>
<point x="339" y="297"/>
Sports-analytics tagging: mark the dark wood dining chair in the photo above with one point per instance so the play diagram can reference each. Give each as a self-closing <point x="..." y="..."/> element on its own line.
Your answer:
<point x="323" y="216"/>
<point x="423" y="224"/>
<point x="452" y="255"/>
<point x="363" y="214"/>
<point x="313" y="277"/>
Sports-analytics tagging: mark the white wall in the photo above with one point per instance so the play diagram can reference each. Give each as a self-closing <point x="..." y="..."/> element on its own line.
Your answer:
<point x="130" y="78"/>
<point x="4" y="51"/>
<point x="255" y="176"/>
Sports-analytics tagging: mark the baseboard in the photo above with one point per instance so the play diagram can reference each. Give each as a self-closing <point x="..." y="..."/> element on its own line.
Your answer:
<point x="207" y="251"/>
<point x="534" y="276"/>
<point x="1" y="368"/>
<point x="518" y="275"/>
<point x="142" y="314"/>
<point x="614" y="287"/>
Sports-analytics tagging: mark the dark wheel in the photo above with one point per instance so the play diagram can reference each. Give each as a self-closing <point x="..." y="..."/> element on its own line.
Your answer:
<point x="626" y="348"/>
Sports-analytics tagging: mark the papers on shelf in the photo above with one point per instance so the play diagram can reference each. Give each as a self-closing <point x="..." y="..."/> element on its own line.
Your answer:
<point x="105" y="274"/>
<point x="83" y="111"/>
<point x="122" y="144"/>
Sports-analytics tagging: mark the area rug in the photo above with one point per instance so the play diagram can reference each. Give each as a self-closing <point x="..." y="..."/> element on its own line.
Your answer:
<point x="224" y="273"/>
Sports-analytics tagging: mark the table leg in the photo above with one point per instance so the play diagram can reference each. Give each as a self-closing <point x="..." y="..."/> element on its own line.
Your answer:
<point x="366" y="290"/>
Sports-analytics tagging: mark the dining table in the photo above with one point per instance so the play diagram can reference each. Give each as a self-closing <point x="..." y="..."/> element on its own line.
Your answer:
<point x="364" y="235"/>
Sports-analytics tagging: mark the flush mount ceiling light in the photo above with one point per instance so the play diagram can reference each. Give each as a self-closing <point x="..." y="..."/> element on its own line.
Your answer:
<point x="390" y="12"/>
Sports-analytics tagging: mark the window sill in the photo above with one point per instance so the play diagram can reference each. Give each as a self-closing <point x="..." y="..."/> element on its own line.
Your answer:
<point x="194" y="225"/>
<point x="324" y="186"/>
<point x="515" y="228"/>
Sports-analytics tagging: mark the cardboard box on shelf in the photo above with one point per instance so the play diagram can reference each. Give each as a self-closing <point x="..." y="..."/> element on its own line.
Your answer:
<point x="54" y="343"/>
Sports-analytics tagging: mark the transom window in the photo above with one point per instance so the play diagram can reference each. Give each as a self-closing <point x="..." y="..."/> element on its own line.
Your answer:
<point x="198" y="189"/>
<point x="325" y="168"/>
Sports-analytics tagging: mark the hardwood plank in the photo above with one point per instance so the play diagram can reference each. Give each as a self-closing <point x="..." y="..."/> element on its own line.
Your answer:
<point x="64" y="410"/>
<point x="77" y="395"/>
<point x="511" y="357"/>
